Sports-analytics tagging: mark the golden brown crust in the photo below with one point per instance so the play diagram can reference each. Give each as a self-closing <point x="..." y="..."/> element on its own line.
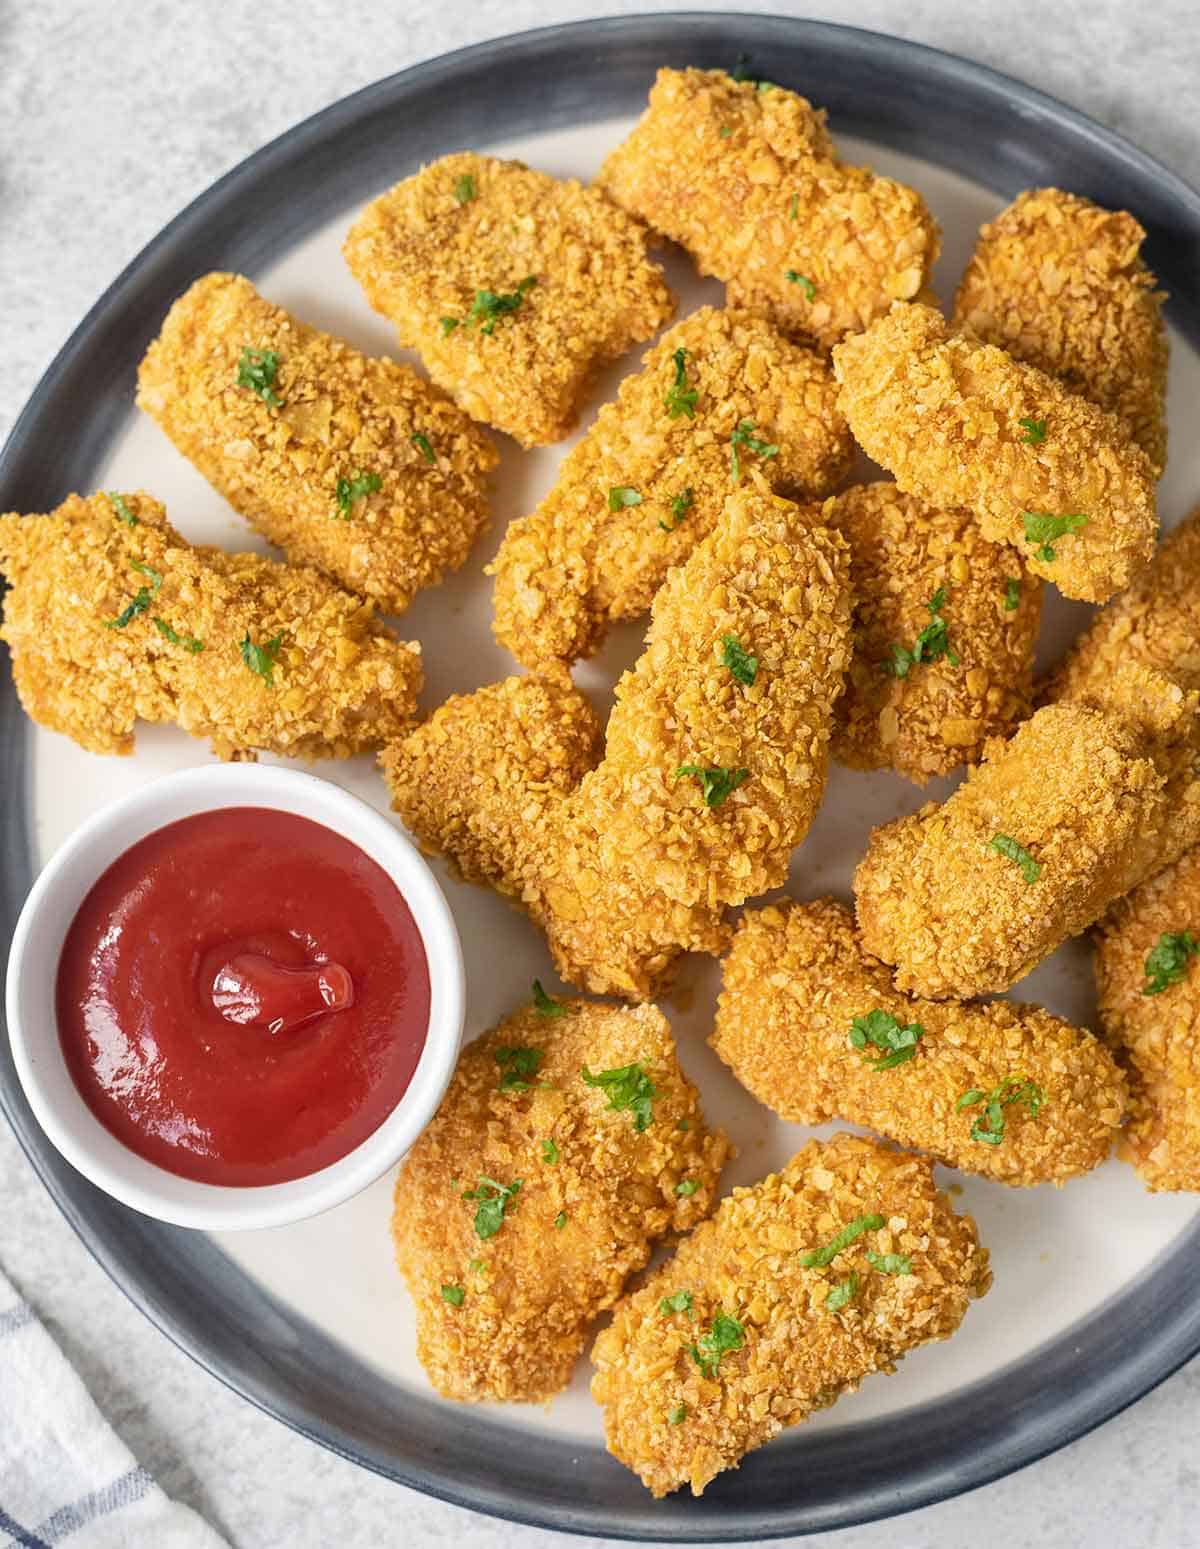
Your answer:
<point x="564" y="573"/>
<point x="942" y="411"/>
<point x="938" y="715"/>
<point x="793" y="984"/>
<point x="797" y="1354"/>
<point x="1058" y="281"/>
<point x="748" y="182"/>
<point x="344" y="416"/>
<point x="422" y="255"/>
<point x="343" y="683"/>
<point x="530" y="1290"/>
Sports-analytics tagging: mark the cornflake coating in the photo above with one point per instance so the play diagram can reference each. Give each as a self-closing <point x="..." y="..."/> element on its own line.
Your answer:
<point x="575" y="565"/>
<point x="674" y="1425"/>
<point x="1059" y="282"/>
<point x="1085" y="789"/>
<point x="488" y="782"/>
<point x="748" y="182"/>
<point x="942" y="412"/>
<point x="772" y="585"/>
<point x="530" y="1289"/>
<point x="342" y="683"/>
<point x="1155" y="1036"/>
<point x="796" y="980"/>
<point x="344" y="417"/>
<point x="938" y="715"/>
<point x="432" y="249"/>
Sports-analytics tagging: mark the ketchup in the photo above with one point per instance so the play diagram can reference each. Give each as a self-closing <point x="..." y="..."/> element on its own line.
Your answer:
<point x="243" y="997"/>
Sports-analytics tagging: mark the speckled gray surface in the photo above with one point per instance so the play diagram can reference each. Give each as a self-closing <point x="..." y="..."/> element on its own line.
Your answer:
<point x="115" y="116"/>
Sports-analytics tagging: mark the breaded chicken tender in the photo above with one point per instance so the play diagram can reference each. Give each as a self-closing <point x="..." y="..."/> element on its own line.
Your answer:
<point x="736" y="1338"/>
<point x="535" y="1192"/>
<point x="1149" y="992"/>
<point x="717" y="746"/>
<point x="514" y="287"/>
<point x="1059" y="282"/>
<point x="1080" y="805"/>
<point x="796" y="984"/>
<point x="748" y="181"/>
<point x="352" y="464"/>
<point x="946" y="415"/>
<point x="112" y="618"/>
<point x="945" y="625"/>
<point x="488" y="781"/>
<point x="649" y="480"/>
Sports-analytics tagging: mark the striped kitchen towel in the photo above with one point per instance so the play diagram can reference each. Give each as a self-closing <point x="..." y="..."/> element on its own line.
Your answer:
<point x="64" y="1475"/>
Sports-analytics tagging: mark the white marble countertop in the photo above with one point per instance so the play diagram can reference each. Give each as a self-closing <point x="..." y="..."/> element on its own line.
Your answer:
<point x="117" y="115"/>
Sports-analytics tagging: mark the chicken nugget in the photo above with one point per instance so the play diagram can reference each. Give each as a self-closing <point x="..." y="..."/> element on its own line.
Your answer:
<point x="717" y="746"/>
<point x="947" y="416"/>
<point x="945" y="625"/>
<point x="793" y="1292"/>
<point x="514" y="287"/>
<point x="568" y="1142"/>
<point x="814" y="1028"/>
<point x="1149" y="993"/>
<point x="967" y="896"/>
<point x="649" y="480"/>
<point x="111" y="618"/>
<point x="488" y="781"/>
<point x="747" y="180"/>
<point x="1059" y="282"/>
<point x="352" y="464"/>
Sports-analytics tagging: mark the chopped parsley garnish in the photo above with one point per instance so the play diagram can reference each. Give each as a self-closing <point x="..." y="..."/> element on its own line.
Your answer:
<point x="677" y="1415"/>
<point x="489" y="306"/>
<point x="449" y="324"/>
<point x="148" y="570"/>
<point x="453" y="1294"/>
<point x="188" y="642"/>
<point x="550" y="1152"/>
<point x="678" y="1301"/>
<point x="1012" y="594"/>
<point x="476" y="1266"/>
<point x="141" y="602"/>
<point x="493" y="1200"/>
<point x="1018" y="854"/>
<point x="741" y="72"/>
<point x="681" y="399"/>
<point x="1043" y="527"/>
<point x="422" y="445"/>
<point x="1167" y="960"/>
<point x="262" y="658"/>
<point x="546" y="1005"/>
<point x="1013" y="1089"/>
<point x="1035" y="431"/>
<point x="257" y="370"/>
<point x="350" y="491"/>
<point x="628" y="1086"/>
<point x="741" y="664"/>
<point x="845" y="1291"/>
<point x="818" y="1258"/>
<point x="680" y="506"/>
<point x="464" y="188"/>
<point x="620" y="496"/>
<point x="560" y="1220"/>
<point x="743" y="435"/>
<point x="686" y="1187"/>
<point x="794" y="207"/>
<point x="726" y="1334"/>
<point x="715" y="783"/>
<point x="890" y="1263"/>
<point x="883" y="1031"/>
<point x="515" y="1064"/>
<point x="724" y="131"/>
<point x="805" y="284"/>
<point x="682" y="1124"/>
<point x="123" y="513"/>
<point x="931" y="644"/>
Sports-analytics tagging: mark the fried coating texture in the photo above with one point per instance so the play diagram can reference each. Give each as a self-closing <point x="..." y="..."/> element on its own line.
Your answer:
<point x="1059" y="282"/>
<point x="1155" y="1036"/>
<point x="531" y="1289"/>
<point x="425" y="255"/>
<point x="749" y="183"/>
<point x="489" y="780"/>
<point x="797" y="1354"/>
<point x="942" y="411"/>
<point x="344" y="416"/>
<point x="342" y="682"/>
<point x="775" y="583"/>
<point x="1087" y="789"/>
<point x="793" y="984"/>
<point x="940" y="713"/>
<point x="575" y="565"/>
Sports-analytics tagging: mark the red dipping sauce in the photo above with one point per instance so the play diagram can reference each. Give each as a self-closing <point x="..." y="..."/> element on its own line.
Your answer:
<point x="243" y="997"/>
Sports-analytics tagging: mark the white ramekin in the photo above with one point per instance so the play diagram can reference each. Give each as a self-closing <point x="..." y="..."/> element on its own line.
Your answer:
<point x="33" y="965"/>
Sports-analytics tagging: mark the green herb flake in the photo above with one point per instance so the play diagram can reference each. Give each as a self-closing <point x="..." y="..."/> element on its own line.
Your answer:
<point x="805" y="284"/>
<point x="677" y="1415"/>
<point x="715" y="783"/>
<point x="1013" y="1089"/>
<point x="680" y="398"/>
<point x="449" y="324"/>
<point x="741" y="664"/>
<point x="1035" y="431"/>
<point x="550" y="1152"/>
<point x="140" y="604"/>
<point x="121" y="509"/>
<point x="882" y="1031"/>
<point x="188" y="642"/>
<point x="560" y="1220"/>
<point x="743" y="436"/>
<point x="845" y="1291"/>
<point x="931" y="644"/>
<point x="515" y="1064"/>
<point x="422" y="444"/>
<point x="724" y="131"/>
<point x="476" y="1266"/>
<point x="1012" y="594"/>
<point x="464" y="188"/>
<point x="726" y="1334"/>
<point x="686" y="1187"/>
<point x="620" y="496"/>
<point x="683" y="1124"/>
<point x="627" y="1086"/>
<point x="1018" y="854"/>
<point x="546" y="1005"/>
<point x="350" y="491"/>
<point x="453" y="1294"/>
<point x="794" y="207"/>
<point x="493" y="1199"/>
<point x="890" y="1263"/>
<point x="819" y="1258"/>
<point x="489" y="305"/>
<point x="257" y="370"/>
<point x="678" y="1301"/>
<point x="1167" y="960"/>
<point x="262" y="659"/>
<point x="150" y="573"/>
<point x="1043" y="527"/>
<point x="680" y="506"/>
